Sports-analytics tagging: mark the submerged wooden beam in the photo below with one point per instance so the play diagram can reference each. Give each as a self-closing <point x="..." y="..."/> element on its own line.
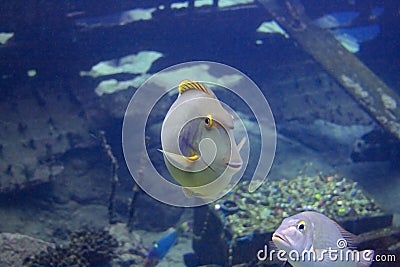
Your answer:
<point x="371" y="93"/>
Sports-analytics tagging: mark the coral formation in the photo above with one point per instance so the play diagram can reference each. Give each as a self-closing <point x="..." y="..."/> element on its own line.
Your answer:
<point x="86" y="248"/>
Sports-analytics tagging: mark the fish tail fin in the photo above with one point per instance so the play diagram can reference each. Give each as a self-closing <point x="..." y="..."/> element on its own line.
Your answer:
<point x="366" y="259"/>
<point x="184" y="227"/>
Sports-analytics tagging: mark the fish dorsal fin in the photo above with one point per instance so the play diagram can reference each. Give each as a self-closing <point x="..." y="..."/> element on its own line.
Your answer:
<point x="187" y="85"/>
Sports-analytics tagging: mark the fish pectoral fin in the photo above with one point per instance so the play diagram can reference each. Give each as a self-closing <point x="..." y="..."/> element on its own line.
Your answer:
<point x="180" y="160"/>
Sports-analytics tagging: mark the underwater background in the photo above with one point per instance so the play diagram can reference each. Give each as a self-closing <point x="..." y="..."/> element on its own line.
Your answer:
<point x="69" y="69"/>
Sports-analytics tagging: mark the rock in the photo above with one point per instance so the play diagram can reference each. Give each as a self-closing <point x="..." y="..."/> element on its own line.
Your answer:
<point x="92" y="215"/>
<point x="167" y="215"/>
<point x="130" y="251"/>
<point x="376" y="145"/>
<point x="324" y="136"/>
<point x="33" y="124"/>
<point x="14" y="248"/>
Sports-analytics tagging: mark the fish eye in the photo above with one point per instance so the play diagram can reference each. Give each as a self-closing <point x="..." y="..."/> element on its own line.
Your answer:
<point x="208" y="121"/>
<point x="301" y="226"/>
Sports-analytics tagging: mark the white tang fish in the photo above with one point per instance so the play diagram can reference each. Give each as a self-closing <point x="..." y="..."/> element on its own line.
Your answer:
<point x="197" y="141"/>
<point x="312" y="239"/>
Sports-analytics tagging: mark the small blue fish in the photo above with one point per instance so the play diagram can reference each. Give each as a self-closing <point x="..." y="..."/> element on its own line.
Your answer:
<point x="166" y="242"/>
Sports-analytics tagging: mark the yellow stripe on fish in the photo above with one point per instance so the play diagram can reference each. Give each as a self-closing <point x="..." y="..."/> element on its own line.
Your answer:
<point x="186" y="85"/>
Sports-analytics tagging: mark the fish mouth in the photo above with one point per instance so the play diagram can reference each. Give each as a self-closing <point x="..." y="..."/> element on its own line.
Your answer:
<point x="234" y="165"/>
<point x="280" y="239"/>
